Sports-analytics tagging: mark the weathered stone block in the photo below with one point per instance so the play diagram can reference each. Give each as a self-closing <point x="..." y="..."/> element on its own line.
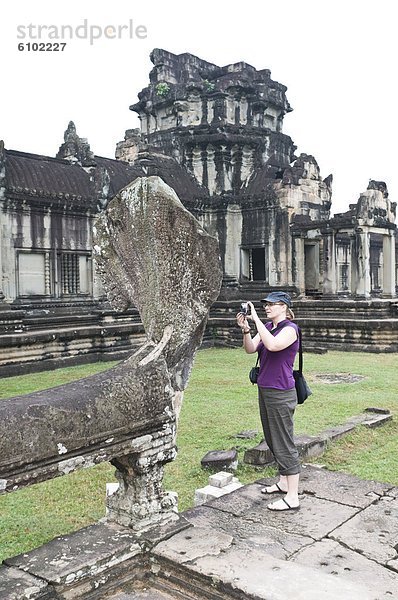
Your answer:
<point x="220" y="459"/>
<point x="316" y="517"/>
<point x="220" y="479"/>
<point x="248" y="434"/>
<point x="376" y="420"/>
<point x="259" y="455"/>
<point x="89" y="551"/>
<point x="209" y="492"/>
<point x="339" y="487"/>
<point x="332" y="558"/>
<point x="380" y="411"/>
<point x="306" y="445"/>
<point x="334" y="433"/>
<point x="18" y="585"/>
<point x="373" y="532"/>
<point x="246" y="532"/>
<point x="206" y="493"/>
<point x="311" y="446"/>
<point x="248" y="571"/>
<point x="193" y="543"/>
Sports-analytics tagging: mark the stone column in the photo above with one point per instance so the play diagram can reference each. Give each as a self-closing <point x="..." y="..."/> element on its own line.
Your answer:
<point x="219" y="109"/>
<point x="205" y="174"/>
<point x="140" y="501"/>
<point x="389" y="282"/>
<point x="298" y="264"/>
<point x="361" y="260"/>
<point x="233" y="241"/>
<point x="329" y="264"/>
<point x="219" y="168"/>
<point x="273" y="248"/>
<point x="211" y="170"/>
<point x="204" y="119"/>
<point x="226" y="165"/>
<point x="2" y="197"/>
<point x="236" y="163"/>
<point x="197" y="163"/>
<point x="2" y="297"/>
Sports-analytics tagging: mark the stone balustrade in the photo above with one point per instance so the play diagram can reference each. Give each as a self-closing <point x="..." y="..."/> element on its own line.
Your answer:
<point x="154" y="255"/>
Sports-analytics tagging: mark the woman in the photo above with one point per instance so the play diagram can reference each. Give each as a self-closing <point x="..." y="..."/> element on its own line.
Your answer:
<point x="277" y="344"/>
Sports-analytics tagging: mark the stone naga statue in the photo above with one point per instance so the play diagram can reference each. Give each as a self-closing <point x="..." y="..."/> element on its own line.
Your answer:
<point x="153" y="254"/>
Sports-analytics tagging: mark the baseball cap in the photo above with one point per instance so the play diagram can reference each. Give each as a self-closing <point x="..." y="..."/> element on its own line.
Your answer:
<point x="278" y="297"/>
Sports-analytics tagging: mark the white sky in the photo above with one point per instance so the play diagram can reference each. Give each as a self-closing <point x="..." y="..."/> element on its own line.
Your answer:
<point x="337" y="58"/>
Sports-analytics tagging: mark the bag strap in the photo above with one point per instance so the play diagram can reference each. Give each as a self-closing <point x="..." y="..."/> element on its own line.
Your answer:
<point x="300" y="351"/>
<point x="281" y="326"/>
<point x="278" y="327"/>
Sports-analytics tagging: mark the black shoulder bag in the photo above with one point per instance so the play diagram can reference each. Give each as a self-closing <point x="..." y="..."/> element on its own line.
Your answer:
<point x="302" y="388"/>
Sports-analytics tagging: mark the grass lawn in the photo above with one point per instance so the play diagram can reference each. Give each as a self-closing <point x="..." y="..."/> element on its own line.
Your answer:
<point x="219" y="403"/>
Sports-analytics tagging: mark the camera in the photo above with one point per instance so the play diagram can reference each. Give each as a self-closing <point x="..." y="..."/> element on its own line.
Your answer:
<point x="245" y="308"/>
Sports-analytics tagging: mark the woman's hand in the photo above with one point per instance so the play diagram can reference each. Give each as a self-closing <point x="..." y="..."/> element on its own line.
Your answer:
<point x="253" y="313"/>
<point x="242" y="321"/>
<point x="249" y="343"/>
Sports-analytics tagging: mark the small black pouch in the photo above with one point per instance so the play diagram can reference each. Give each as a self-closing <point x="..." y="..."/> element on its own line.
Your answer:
<point x="254" y="371"/>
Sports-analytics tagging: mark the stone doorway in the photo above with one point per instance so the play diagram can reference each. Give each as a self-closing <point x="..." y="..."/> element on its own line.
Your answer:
<point x="311" y="269"/>
<point x="254" y="263"/>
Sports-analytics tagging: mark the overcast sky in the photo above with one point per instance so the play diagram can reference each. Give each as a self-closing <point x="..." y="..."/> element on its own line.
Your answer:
<point x="337" y="59"/>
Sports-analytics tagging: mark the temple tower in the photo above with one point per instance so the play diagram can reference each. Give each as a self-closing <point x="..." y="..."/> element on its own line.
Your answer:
<point x="223" y="125"/>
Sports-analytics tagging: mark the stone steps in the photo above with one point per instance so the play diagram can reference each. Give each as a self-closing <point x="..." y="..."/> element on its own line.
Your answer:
<point x="46" y="338"/>
<point x="357" y="309"/>
<point x="148" y="593"/>
<point x="367" y="326"/>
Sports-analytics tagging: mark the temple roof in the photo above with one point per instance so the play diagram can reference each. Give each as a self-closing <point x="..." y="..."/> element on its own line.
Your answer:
<point x="121" y="173"/>
<point x="47" y="177"/>
<point x="154" y="162"/>
<point x="44" y="177"/>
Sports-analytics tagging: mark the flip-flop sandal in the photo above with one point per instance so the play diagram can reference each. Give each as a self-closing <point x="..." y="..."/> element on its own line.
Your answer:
<point x="277" y="491"/>
<point x="283" y="509"/>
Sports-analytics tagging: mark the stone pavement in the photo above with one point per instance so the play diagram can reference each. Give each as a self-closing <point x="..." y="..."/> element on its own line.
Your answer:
<point x="342" y="543"/>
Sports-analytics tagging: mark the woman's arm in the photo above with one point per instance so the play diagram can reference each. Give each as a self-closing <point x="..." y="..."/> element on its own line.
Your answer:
<point x="250" y="344"/>
<point x="284" y="339"/>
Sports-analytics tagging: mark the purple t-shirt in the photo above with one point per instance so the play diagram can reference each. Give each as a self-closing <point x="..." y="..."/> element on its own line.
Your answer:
<point x="276" y="368"/>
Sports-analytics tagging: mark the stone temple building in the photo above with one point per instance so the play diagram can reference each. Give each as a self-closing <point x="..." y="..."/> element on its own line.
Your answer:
<point x="269" y="209"/>
<point x="215" y="135"/>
